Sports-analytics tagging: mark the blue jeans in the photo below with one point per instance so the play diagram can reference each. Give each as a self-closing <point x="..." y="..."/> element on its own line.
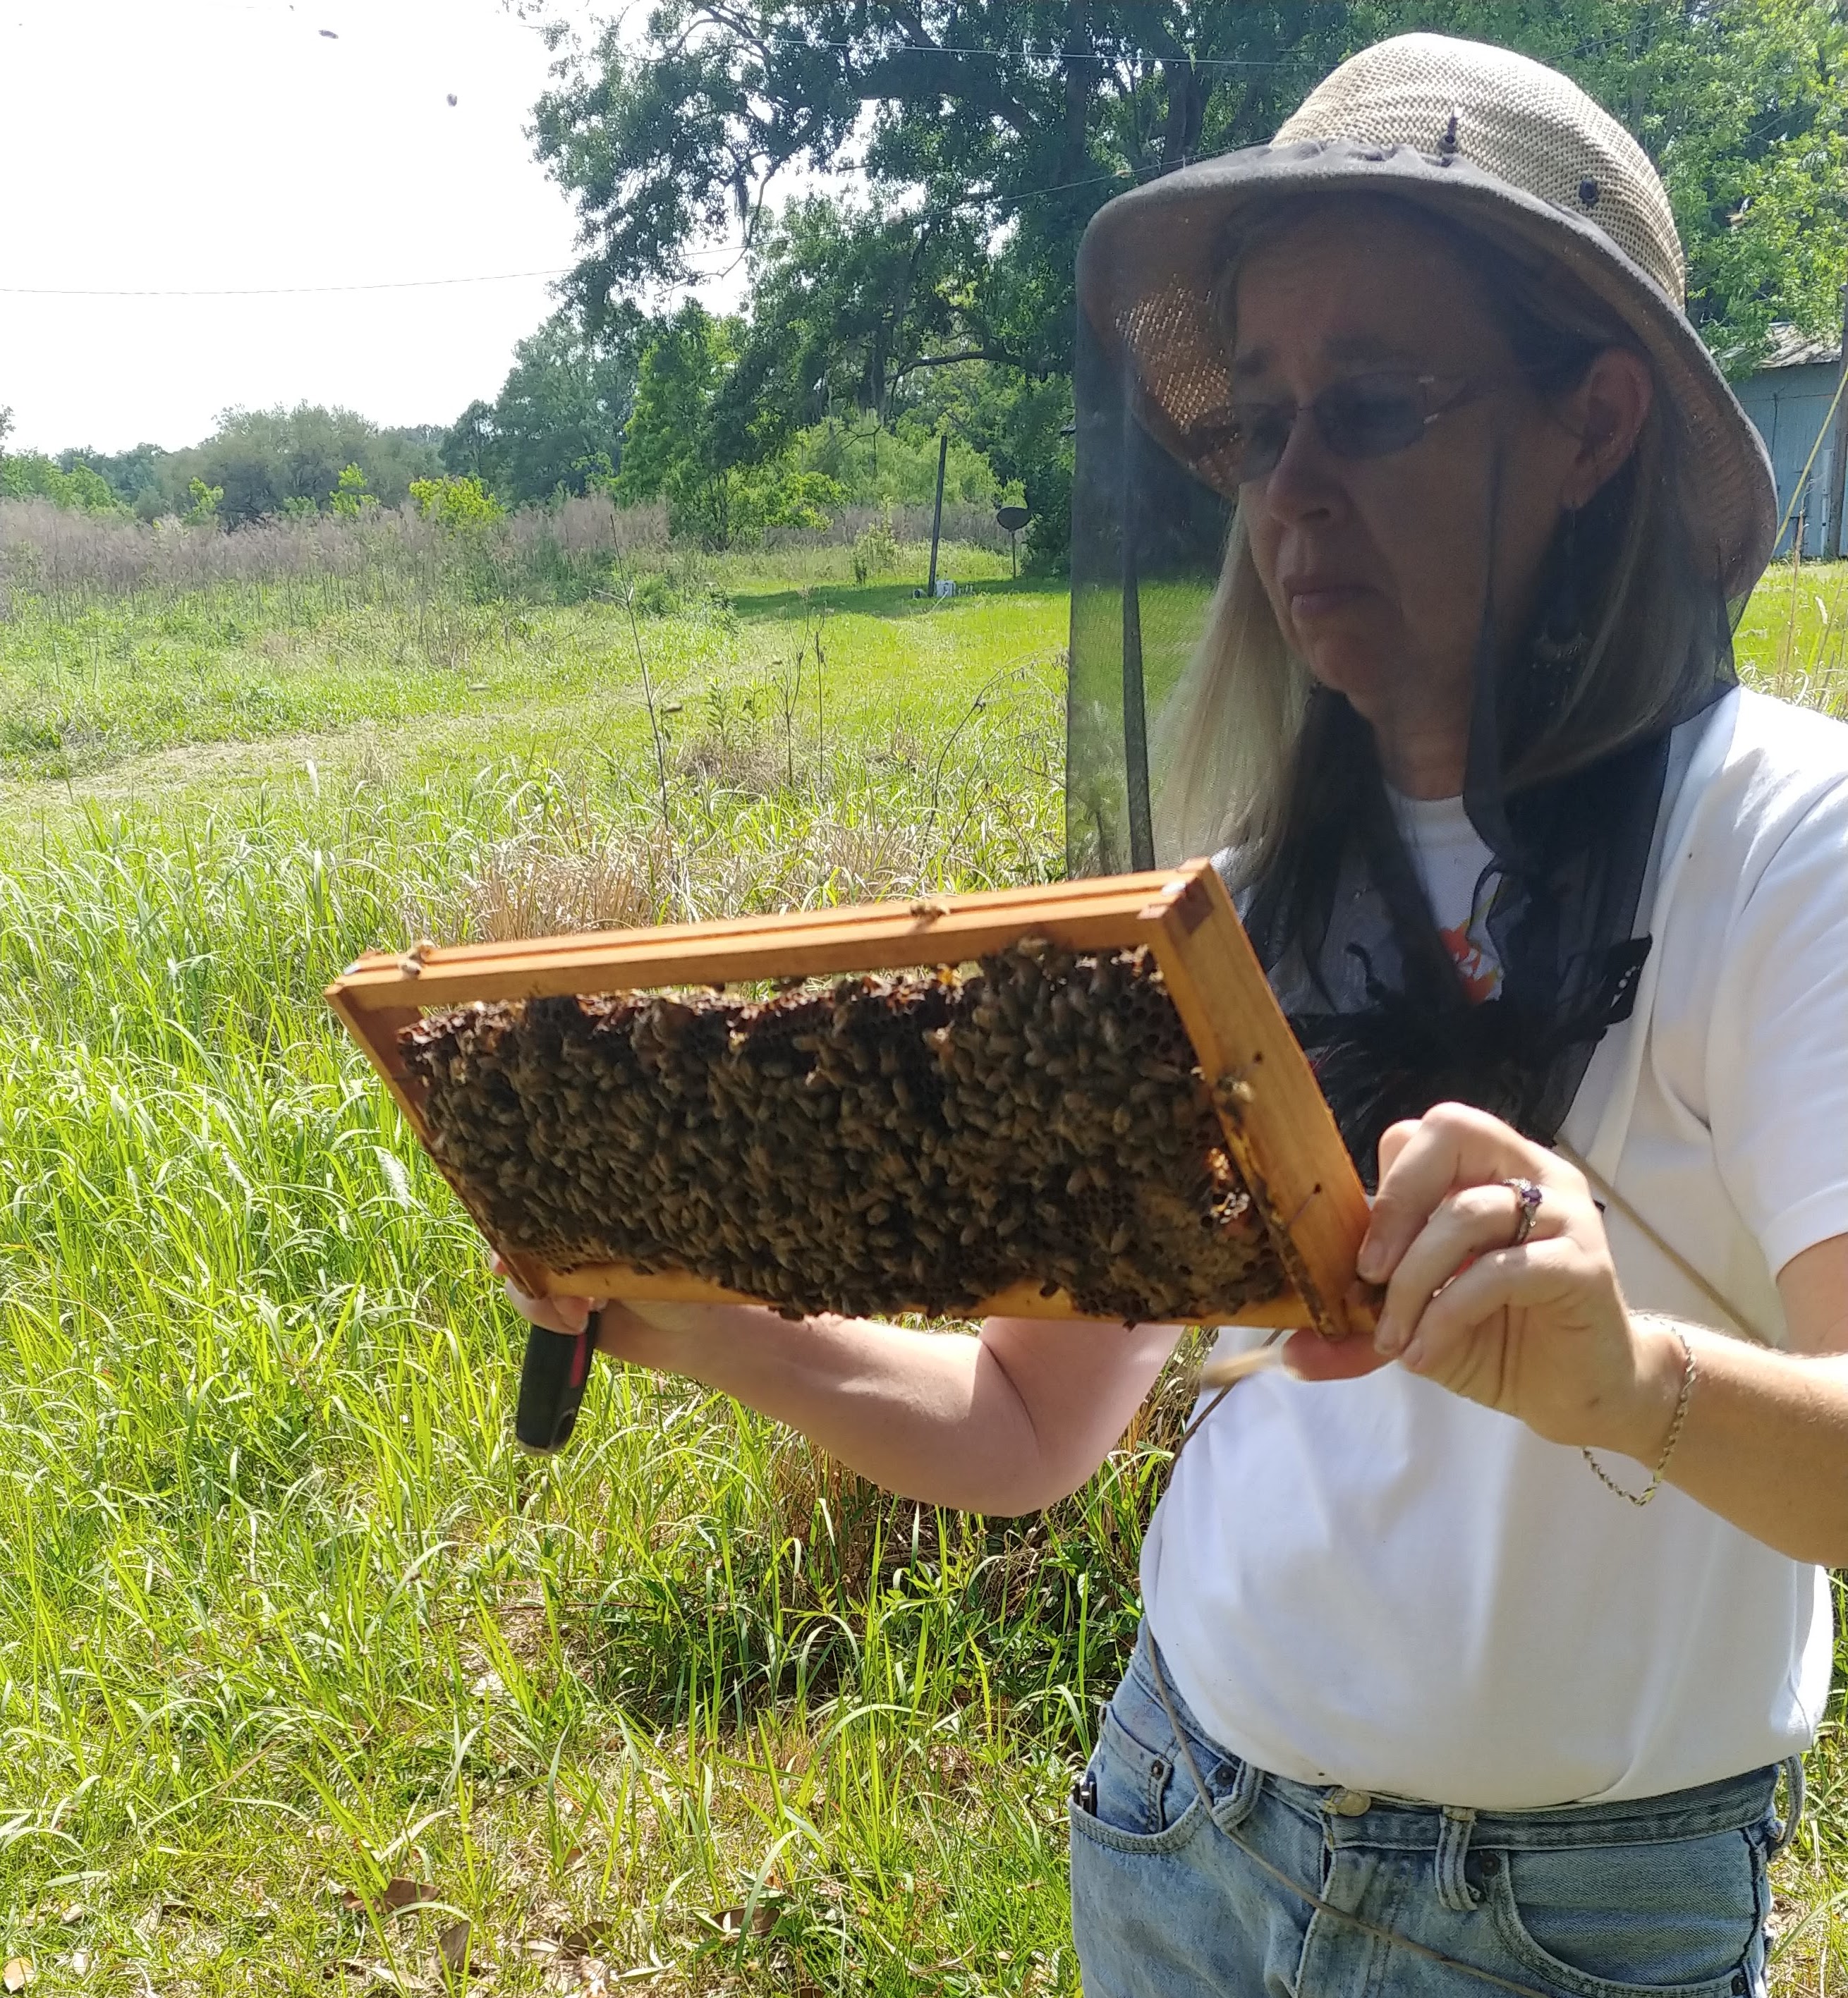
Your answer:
<point x="1172" y="1893"/>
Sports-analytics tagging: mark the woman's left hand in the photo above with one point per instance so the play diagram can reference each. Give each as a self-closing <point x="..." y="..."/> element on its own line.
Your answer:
<point x="1539" y="1330"/>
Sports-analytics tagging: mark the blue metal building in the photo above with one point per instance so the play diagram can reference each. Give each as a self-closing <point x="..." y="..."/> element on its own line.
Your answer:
<point x="1789" y="400"/>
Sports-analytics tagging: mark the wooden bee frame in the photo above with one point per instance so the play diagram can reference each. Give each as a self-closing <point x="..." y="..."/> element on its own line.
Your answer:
<point x="1279" y="1131"/>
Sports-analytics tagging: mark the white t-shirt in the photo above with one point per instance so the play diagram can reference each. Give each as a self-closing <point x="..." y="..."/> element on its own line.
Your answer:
<point x="1378" y="1584"/>
<point x="1454" y="863"/>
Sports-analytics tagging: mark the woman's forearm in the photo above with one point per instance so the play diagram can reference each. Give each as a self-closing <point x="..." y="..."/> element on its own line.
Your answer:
<point x="1005" y="1423"/>
<point x="932" y="1418"/>
<point x="1765" y="1442"/>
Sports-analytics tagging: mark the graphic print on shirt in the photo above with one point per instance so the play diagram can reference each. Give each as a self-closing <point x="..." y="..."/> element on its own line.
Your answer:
<point x="1460" y="879"/>
<point x="1470" y="947"/>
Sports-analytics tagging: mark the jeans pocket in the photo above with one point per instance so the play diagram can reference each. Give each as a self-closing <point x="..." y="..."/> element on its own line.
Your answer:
<point x="1677" y="1918"/>
<point x="1132" y="1799"/>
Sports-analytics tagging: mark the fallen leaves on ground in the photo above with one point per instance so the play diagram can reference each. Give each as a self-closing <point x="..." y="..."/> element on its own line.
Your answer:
<point x="763" y="1918"/>
<point x="453" y="1942"/>
<point x="397" y="1893"/>
<point x="16" y="1973"/>
<point x="370" y="1973"/>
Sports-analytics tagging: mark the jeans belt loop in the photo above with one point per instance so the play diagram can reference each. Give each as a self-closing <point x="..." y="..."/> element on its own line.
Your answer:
<point x="1454" y="1889"/>
<point x="1793" y="1814"/>
<point x="1238" y="1803"/>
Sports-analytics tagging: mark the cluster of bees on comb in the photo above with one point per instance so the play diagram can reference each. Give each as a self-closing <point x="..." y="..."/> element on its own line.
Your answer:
<point x="911" y="1142"/>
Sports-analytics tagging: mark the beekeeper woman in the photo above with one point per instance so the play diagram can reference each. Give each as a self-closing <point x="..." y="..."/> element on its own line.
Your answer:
<point x="1472" y="1670"/>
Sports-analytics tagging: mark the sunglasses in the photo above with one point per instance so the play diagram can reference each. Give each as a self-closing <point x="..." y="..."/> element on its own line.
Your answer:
<point x="1365" y="416"/>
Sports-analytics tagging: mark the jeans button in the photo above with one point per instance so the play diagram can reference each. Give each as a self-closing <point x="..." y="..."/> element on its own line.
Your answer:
<point x="1349" y="1803"/>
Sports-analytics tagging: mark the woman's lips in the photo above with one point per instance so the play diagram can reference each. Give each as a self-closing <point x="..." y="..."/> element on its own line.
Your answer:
<point x="1320" y="599"/>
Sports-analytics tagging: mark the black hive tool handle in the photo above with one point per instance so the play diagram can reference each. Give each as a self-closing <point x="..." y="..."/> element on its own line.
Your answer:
<point x="552" y="1380"/>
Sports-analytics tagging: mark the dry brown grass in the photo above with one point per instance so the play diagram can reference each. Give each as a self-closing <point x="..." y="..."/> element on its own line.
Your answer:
<point x="531" y="887"/>
<point x="548" y="884"/>
<point x="47" y="551"/>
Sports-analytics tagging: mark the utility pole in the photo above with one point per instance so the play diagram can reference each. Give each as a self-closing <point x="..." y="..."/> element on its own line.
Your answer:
<point x="1838" y="450"/>
<point x="936" y="525"/>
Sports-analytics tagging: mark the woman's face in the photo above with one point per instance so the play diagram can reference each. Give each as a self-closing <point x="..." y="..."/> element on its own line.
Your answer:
<point x="1376" y="567"/>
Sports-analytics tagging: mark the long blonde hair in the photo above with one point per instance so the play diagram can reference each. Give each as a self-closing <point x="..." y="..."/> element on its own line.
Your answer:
<point x="1224" y="747"/>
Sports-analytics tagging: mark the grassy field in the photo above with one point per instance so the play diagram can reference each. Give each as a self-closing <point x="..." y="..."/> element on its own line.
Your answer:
<point x="309" y="1681"/>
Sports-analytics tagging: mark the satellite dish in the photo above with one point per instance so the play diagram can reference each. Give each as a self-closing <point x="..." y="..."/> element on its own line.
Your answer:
<point x="1011" y="520"/>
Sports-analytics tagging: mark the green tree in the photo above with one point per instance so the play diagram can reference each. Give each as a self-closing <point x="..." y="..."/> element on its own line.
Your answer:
<point x="463" y="505"/>
<point x="131" y="474"/>
<point x="205" y="499"/>
<point x="997" y="128"/>
<point x="350" y="499"/>
<point x="847" y="306"/>
<point x="725" y="477"/>
<point x="682" y="368"/>
<point x="265" y="458"/>
<point x="557" y="425"/>
<point x="988" y="134"/>
<point x="872" y="463"/>
<point x="30" y="475"/>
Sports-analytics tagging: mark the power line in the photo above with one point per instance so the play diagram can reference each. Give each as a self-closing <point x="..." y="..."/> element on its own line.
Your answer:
<point x="278" y="291"/>
<point x="1063" y="187"/>
<point x="1024" y="52"/>
<point x="313" y="291"/>
<point x="999" y="198"/>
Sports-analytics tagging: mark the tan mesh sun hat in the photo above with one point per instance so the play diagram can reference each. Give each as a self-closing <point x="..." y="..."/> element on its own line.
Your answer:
<point x="1500" y="142"/>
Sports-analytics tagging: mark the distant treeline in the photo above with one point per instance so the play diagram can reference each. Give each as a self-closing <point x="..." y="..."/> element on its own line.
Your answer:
<point x="258" y="465"/>
<point x="653" y="411"/>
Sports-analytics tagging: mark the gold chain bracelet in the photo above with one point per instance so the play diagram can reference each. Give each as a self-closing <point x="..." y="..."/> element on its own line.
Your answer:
<point x="1674" y="1431"/>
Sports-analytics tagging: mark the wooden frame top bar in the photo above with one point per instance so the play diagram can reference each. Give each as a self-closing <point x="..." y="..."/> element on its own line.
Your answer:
<point x="1278" y="1128"/>
<point x="1084" y="915"/>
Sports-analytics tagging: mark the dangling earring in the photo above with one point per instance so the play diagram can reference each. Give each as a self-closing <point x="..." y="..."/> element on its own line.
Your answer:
<point x="1559" y="637"/>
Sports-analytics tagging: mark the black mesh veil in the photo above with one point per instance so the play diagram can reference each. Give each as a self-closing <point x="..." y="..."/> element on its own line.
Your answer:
<point x="1147" y="539"/>
<point x="1337" y="914"/>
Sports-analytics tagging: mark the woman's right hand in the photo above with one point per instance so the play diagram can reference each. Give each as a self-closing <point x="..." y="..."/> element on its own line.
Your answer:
<point x="568" y="1315"/>
<point x="642" y="1334"/>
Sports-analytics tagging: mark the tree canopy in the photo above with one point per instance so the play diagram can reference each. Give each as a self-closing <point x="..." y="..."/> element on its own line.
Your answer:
<point x="257" y="461"/>
<point x="983" y="134"/>
<point x="280" y="461"/>
<point x="986" y="133"/>
<point x="557" y="424"/>
<point x="691" y="442"/>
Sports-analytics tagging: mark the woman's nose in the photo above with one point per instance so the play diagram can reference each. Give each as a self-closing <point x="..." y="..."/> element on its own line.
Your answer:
<point x="1305" y="482"/>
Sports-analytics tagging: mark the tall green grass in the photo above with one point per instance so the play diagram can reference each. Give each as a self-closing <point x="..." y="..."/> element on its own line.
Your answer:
<point x="1793" y="638"/>
<point x="287" y="1615"/>
<point x="284" y="1615"/>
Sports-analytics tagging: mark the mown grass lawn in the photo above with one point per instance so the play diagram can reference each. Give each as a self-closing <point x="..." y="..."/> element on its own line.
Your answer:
<point x="285" y="1619"/>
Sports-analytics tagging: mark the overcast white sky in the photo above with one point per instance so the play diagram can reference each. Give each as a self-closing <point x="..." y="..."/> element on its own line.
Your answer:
<point x="225" y="145"/>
